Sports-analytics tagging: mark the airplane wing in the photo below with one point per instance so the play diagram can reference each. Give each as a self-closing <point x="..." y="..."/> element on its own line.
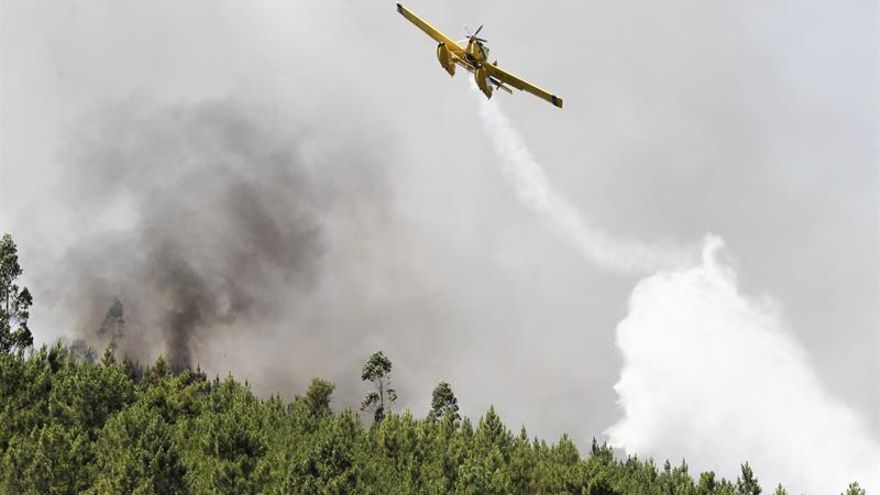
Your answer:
<point x="431" y="31"/>
<point x="506" y="77"/>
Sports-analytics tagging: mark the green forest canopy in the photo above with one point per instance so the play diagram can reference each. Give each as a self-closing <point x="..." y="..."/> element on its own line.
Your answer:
<point x="73" y="425"/>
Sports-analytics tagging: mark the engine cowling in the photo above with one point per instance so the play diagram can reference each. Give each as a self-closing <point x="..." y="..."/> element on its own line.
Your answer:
<point x="446" y="59"/>
<point x="482" y="77"/>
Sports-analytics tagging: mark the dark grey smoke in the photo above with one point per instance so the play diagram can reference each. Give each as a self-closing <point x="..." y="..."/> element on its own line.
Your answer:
<point x="206" y="219"/>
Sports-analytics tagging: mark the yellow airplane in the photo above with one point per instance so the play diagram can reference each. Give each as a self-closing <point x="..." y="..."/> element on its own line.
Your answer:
<point x="475" y="58"/>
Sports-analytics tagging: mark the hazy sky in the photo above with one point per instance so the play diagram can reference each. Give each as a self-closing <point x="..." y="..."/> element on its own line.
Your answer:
<point x="754" y="120"/>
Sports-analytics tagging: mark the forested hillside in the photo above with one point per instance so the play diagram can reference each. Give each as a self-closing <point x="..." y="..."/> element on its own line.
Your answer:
<point x="70" y="423"/>
<point x="74" y="426"/>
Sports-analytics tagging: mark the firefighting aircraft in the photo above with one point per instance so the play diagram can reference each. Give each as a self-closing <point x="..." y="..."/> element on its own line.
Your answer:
<point x="475" y="58"/>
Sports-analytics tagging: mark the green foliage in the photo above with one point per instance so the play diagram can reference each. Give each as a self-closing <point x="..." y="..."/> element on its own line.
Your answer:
<point x="49" y="459"/>
<point x="317" y="396"/>
<point x="706" y="483"/>
<point x="854" y="489"/>
<point x="88" y="396"/>
<point x="15" y="302"/>
<point x="377" y="370"/>
<point x="747" y="483"/>
<point x="72" y="426"/>
<point x="443" y="402"/>
<point x="135" y="453"/>
<point x="227" y="440"/>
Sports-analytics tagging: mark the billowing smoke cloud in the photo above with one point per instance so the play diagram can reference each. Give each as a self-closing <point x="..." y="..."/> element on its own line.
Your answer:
<point x="713" y="376"/>
<point x="202" y="220"/>
<point x="710" y="375"/>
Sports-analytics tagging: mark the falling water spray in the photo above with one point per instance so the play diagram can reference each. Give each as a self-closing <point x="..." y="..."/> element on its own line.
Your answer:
<point x="710" y="374"/>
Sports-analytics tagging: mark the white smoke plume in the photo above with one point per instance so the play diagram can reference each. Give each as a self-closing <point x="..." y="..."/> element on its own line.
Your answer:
<point x="715" y="376"/>
<point x="710" y="375"/>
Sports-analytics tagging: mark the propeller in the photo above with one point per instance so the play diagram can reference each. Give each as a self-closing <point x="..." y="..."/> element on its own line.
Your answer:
<point x="474" y="36"/>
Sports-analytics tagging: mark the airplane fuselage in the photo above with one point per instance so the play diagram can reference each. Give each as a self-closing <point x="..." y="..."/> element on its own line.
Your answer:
<point x="476" y="53"/>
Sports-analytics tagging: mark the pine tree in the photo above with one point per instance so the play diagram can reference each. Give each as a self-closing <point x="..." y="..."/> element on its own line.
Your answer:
<point x="854" y="489"/>
<point x="492" y="430"/>
<point x="318" y="396"/>
<point x="747" y="483"/>
<point x="49" y="459"/>
<point x="707" y="484"/>
<point x="108" y="360"/>
<point x="443" y="402"/>
<point x="135" y="453"/>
